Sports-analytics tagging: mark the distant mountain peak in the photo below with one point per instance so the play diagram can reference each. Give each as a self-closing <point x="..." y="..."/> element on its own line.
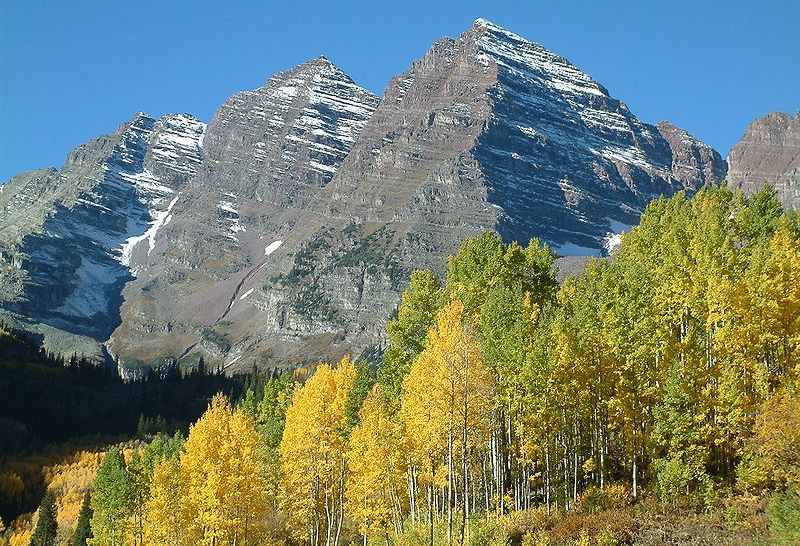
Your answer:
<point x="482" y="23"/>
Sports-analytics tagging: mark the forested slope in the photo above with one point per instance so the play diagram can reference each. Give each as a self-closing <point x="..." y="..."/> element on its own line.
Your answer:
<point x="652" y="400"/>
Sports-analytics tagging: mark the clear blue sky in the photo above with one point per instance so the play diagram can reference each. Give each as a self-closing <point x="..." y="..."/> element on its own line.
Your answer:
<point x="71" y="70"/>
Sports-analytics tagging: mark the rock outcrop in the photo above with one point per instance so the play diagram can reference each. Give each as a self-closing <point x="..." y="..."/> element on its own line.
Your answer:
<point x="769" y="153"/>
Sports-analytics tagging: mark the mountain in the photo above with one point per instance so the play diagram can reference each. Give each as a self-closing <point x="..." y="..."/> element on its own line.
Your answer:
<point x="71" y="238"/>
<point x="304" y="204"/>
<point x="267" y="153"/>
<point x="769" y="153"/>
<point x="486" y="131"/>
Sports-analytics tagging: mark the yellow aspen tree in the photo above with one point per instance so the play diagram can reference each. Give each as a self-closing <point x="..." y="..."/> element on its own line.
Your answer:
<point x="376" y="474"/>
<point x="423" y="416"/>
<point x="447" y="407"/>
<point x="779" y="289"/>
<point x="313" y="455"/>
<point x="221" y="485"/>
<point x="164" y="524"/>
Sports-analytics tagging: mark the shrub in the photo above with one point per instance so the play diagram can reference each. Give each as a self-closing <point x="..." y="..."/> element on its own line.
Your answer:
<point x="538" y="538"/>
<point x="487" y="533"/>
<point x="612" y="497"/>
<point x="772" y="457"/>
<point x="616" y="525"/>
<point x="784" y="517"/>
<point x="676" y="481"/>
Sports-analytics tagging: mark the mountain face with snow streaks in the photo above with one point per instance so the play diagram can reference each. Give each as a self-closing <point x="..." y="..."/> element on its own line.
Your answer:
<point x="70" y="238"/>
<point x="267" y="153"/>
<point x="486" y="131"/>
<point x="284" y="231"/>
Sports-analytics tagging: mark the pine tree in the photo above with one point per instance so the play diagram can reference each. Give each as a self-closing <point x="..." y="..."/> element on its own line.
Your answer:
<point x="83" y="529"/>
<point x="110" y="502"/>
<point x="46" y="526"/>
<point x="362" y="385"/>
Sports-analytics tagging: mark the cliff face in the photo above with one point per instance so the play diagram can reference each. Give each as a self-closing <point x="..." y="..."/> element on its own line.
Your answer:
<point x="769" y="153"/>
<point x="267" y="152"/>
<point x="486" y="131"/>
<point x="286" y="229"/>
<point x="71" y="238"/>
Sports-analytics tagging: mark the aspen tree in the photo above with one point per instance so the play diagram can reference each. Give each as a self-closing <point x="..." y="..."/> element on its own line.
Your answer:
<point x="313" y="455"/>
<point x="376" y="475"/>
<point x="221" y="486"/>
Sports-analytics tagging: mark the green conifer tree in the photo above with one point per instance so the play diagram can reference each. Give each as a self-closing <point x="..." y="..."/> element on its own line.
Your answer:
<point x="46" y="527"/>
<point x="83" y="529"/>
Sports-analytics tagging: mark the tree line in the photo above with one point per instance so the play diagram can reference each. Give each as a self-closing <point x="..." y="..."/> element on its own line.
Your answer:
<point x="669" y="370"/>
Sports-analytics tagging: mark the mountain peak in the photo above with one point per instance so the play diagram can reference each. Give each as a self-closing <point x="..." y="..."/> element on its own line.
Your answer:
<point x="480" y="22"/>
<point x="320" y="61"/>
<point x="319" y="68"/>
<point x="484" y="26"/>
<point x="487" y="130"/>
<point x="141" y="116"/>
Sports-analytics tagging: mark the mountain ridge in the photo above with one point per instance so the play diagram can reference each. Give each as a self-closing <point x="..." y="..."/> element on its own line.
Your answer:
<point x="769" y="153"/>
<point x="310" y="199"/>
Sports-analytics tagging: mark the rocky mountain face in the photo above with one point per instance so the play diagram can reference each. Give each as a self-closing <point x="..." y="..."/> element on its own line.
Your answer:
<point x="71" y="238"/>
<point x="295" y="217"/>
<point x="769" y="153"/>
<point x="486" y="131"/>
<point x="267" y="153"/>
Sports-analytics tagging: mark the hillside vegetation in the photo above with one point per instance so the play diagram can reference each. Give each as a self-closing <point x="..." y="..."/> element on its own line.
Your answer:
<point x="653" y="400"/>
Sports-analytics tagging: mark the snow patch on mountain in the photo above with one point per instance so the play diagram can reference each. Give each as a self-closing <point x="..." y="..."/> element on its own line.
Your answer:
<point x="243" y="296"/>
<point x="272" y="247"/>
<point x="613" y="238"/>
<point x="90" y="295"/>
<point x="161" y="219"/>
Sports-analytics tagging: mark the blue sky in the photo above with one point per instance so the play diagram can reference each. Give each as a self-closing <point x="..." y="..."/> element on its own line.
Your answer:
<point x="70" y="71"/>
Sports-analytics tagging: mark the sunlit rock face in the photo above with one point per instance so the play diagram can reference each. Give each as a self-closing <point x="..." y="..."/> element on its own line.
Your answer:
<point x="769" y="153"/>
<point x="69" y="237"/>
<point x="485" y="131"/>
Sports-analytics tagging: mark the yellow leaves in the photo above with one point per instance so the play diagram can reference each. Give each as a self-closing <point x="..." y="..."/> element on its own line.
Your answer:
<point x="312" y="450"/>
<point x="780" y="295"/>
<point x="20" y="538"/>
<point x="448" y="390"/>
<point x="776" y="445"/>
<point x="376" y="475"/>
<point x="221" y="487"/>
<point x="163" y="524"/>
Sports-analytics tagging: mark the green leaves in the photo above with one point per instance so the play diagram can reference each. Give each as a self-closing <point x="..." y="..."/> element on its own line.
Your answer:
<point x="111" y="501"/>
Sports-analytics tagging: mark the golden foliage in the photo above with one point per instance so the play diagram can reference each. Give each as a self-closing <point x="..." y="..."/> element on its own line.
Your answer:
<point x="375" y="482"/>
<point x="312" y="452"/>
<point x="221" y="487"/>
